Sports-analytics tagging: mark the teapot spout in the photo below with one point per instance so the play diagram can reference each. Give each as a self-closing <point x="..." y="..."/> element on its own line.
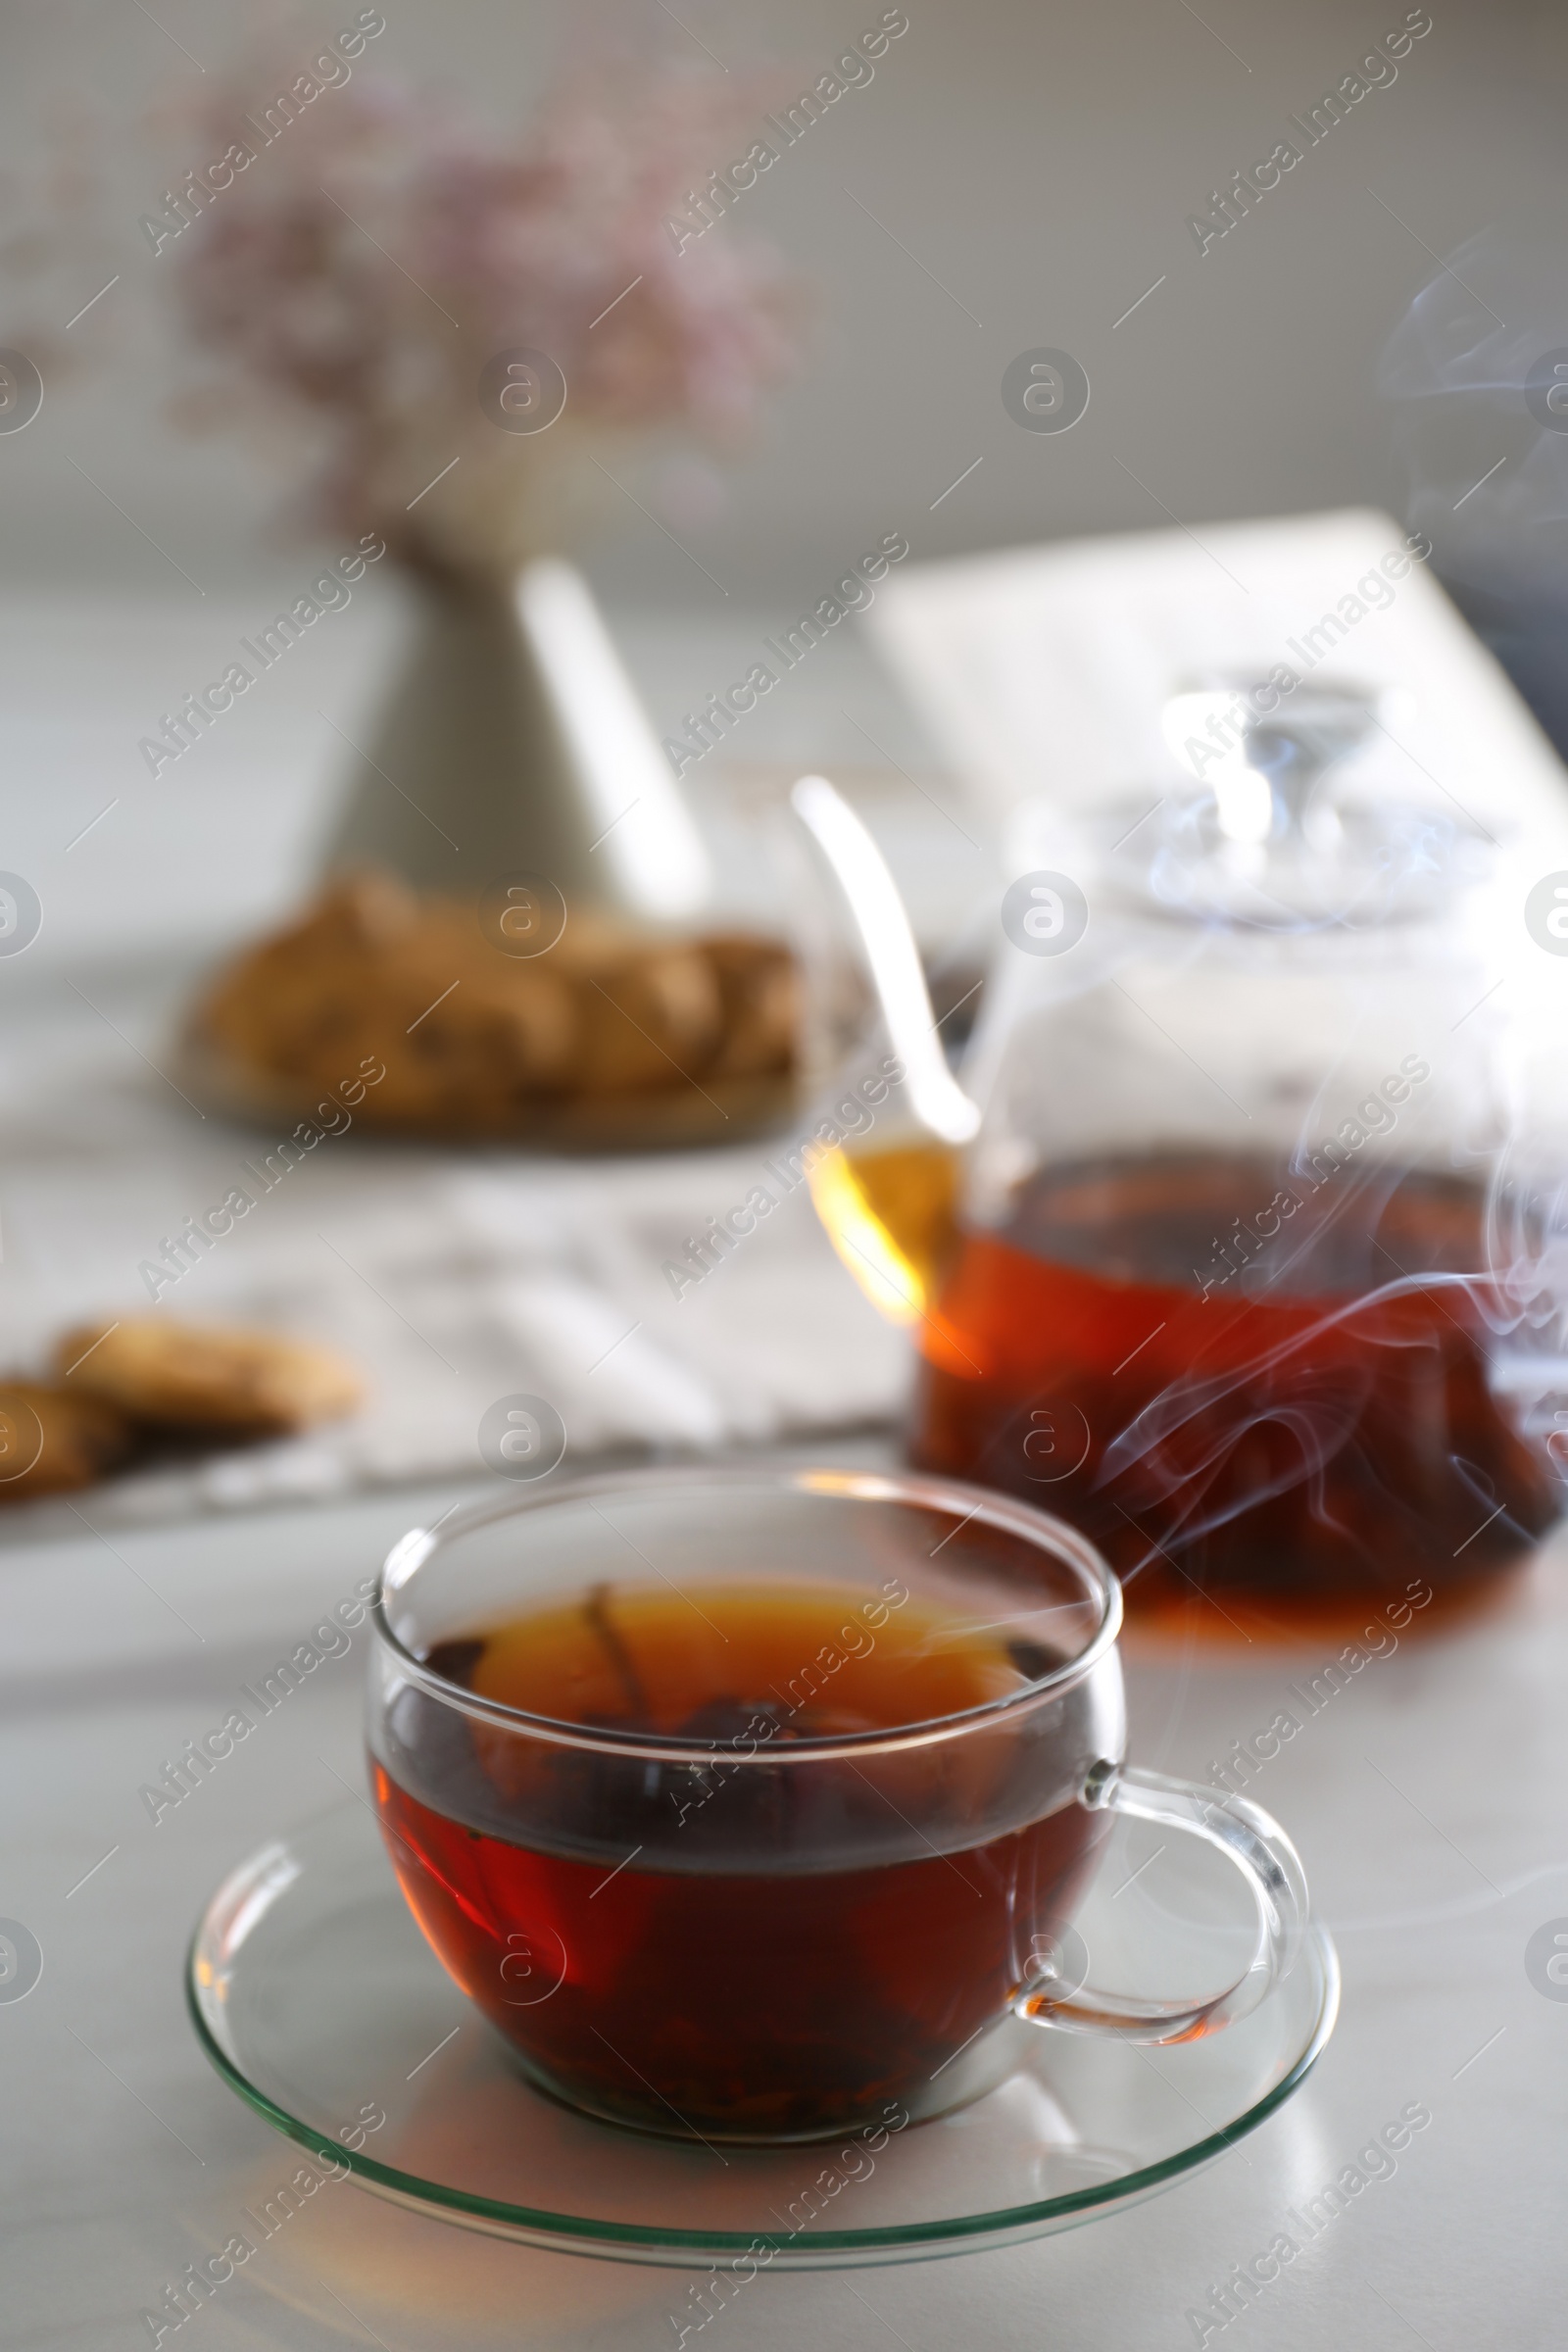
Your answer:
<point x="888" y="1205"/>
<point x="891" y="1211"/>
<point x="938" y="1103"/>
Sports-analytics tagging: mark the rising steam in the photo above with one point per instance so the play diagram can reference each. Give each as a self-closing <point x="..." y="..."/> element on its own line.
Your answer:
<point x="1468" y="371"/>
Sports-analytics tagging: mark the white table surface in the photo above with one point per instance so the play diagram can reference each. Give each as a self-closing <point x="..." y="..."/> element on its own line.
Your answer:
<point x="1427" y="1799"/>
<point x="127" y="2159"/>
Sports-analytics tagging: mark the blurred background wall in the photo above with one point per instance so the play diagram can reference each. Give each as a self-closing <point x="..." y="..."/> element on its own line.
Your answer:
<point x="1030" y="168"/>
<point x="1014" y="176"/>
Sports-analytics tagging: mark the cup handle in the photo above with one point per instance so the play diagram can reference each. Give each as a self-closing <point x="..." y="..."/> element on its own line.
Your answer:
<point x="1262" y="1854"/>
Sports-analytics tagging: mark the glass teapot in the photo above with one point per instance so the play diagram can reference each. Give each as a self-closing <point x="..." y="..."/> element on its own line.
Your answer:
<point x="1214" y="1251"/>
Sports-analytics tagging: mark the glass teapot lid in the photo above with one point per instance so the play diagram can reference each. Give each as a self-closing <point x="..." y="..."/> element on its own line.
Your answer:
<point x="1262" y="839"/>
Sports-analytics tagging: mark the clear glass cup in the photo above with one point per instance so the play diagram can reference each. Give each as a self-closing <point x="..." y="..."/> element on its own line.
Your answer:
<point x="814" y="1769"/>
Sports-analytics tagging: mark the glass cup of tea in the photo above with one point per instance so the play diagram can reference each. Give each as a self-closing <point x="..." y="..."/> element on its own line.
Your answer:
<point x="754" y="1804"/>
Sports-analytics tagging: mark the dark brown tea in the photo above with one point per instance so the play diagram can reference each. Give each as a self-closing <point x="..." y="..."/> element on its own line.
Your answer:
<point x="726" y="1942"/>
<point x="1244" y="1385"/>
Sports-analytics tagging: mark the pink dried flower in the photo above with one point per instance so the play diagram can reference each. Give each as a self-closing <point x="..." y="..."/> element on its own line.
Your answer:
<point x="362" y="268"/>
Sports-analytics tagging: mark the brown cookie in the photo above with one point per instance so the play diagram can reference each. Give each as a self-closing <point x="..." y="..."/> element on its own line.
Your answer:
<point x="759" y="986"/>
<point x="294" y="1002"/>
<point x="52" y="1442"/>
<point x="203" y="1376"/>
<point x="651" y="1020"/>
<point x="504" y="1032"/>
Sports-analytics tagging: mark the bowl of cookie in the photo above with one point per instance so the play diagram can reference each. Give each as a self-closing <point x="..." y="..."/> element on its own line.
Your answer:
<point x="503" y="1020"/>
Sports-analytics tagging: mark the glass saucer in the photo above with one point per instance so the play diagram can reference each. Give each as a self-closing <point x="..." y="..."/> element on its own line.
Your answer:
<point x="317" y="1999"/>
